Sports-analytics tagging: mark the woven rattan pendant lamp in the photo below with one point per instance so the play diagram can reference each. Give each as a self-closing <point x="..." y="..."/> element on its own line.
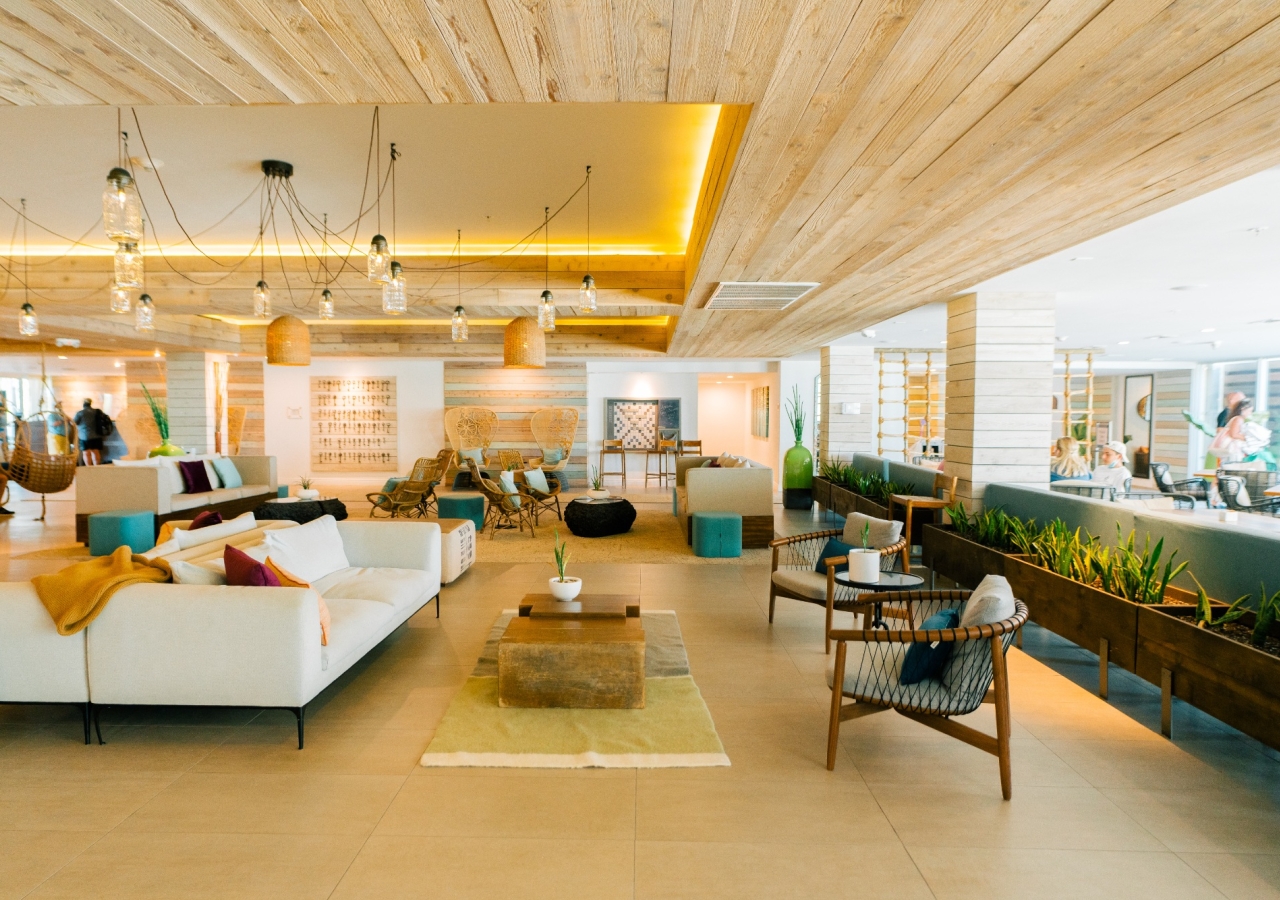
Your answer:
<point x="524" y="344"/>
<point x="288" y="342"/>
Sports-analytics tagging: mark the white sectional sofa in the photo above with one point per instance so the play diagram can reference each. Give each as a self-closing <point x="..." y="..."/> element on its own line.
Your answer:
<point x="214" y="645"/>
<point x="155" y="485"/>
<point x="746" y="491"/>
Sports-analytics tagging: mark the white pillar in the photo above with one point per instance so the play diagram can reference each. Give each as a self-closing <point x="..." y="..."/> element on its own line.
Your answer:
<point x="192" y="389"/>
<point x="999" y="390"/>
<point x="848" y="402"/>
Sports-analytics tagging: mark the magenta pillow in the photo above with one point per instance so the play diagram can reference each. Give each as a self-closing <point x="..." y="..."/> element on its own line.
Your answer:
<point x="245" y="571"/>
<point x="205" y="519"/>
<point x="194" y="476"/>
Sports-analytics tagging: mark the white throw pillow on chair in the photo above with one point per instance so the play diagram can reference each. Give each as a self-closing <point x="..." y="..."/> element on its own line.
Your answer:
<point x="991" y="601"/>
<point x="308" y="552"/>
<point x="883" y="533"/>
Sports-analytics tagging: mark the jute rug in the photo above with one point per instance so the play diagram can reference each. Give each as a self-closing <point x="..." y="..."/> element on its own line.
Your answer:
<point x="70" y="554"/>
<point x="673" y="730"/>
<point x="656" y="537"/>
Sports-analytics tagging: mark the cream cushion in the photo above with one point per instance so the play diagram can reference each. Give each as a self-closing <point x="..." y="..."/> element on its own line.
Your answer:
<point x="991" y="601"/>
<point x="187" y="539"/>
<point x="884" y="532"/>
<point x="193" y="573"/>
<point x="310" y="551"/>
<point x="399" y="588"/>
<point x="805" y="582"/>
<point x="354" y="623"/>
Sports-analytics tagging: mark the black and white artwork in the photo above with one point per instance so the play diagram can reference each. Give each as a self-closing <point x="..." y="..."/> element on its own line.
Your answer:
<point x="637" y="422"/>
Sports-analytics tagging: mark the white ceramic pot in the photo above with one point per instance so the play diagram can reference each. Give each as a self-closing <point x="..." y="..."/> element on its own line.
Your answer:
<point x="864" y="566"/>
<point x="598" y="495"/>
<point x="567" y="589"/>
<point x="308" y="494"/>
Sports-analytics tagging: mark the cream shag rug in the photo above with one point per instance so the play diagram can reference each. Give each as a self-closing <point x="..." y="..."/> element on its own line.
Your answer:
<point x="656" y="537"/>
<point x="673" y="730"/>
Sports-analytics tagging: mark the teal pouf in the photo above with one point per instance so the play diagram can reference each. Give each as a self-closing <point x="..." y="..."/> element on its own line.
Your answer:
<point x="462" y="506"/>
<point x="109" y="530"/>
<point x="717" y="534"/>
<point x="282" y="491"/>
<point x="675" y="503"/>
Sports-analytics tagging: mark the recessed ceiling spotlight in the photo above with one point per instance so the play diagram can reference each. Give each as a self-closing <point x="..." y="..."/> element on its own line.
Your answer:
<point x="869" y="332"/>
<point x="728" y="376"/>
<point x="1081" y="258"/>
<point x="1215" y="344"/>
<point x="1122" y="343"/>
<point x="1258" y="229"/>
<point x="61" y="357"/>
<point x="1187" y="287"/>
<point x="1208" y="330"/>
<point x="119" y="364"/>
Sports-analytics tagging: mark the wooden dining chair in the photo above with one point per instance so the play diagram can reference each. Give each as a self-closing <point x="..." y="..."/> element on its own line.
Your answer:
<point x="689" y="448"/>
<point x="660" y="452"/>
<point x="944" y="495"/>
<point x="609" y="449"/>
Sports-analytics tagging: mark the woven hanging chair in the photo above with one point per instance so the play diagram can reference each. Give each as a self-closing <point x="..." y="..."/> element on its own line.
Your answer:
<point x="43" y="460"/>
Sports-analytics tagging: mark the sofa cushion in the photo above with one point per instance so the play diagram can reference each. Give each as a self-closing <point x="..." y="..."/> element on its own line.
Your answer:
<point x="194" y="477"/>
<point x="206" y="519"/>
<point x="805" y="582"/>
<point x="353" y="623"/>
<point x="832" y="548"/>
<point x="288" y="580"/>
<point x="552" y="457"/>
<point x="193" y="537"/>
<point x="251" y="490"/>
<point x="309" y="551"/>
<point x="191" y="573"/>
<point x="228" y="474"/>
<point x="400" y="588"/>
<point x="245" y="571"/>
<point x="537" y="480"/>
<point x="928" y="660"/>
<point x="193" y="501"/>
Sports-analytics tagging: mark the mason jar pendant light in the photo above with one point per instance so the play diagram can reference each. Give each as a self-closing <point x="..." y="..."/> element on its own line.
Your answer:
<point x="587" y="292"/>
<point x="144" y="315"/>
<point x="547" y="306"/>
<point x="326" y="304"/>
<point x="326" y="296"/>
<point x="119" y="299"/>
<point x="458" y="324"/>
<point x="379" y="260"/>
<point x="262" y="300"/>
<point x="128" y="265"/>
<point x="121" y="207"/>
<point x="393" y="298"/>
<point x="28" y="325"/>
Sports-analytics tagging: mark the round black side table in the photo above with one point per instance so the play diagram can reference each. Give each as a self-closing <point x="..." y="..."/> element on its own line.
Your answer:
<point x="599" y="518"/>
<point x="302" y="511"/>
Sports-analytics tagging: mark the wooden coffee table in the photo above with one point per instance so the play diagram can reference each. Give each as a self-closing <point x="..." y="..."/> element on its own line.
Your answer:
<point x="584" y="654"/>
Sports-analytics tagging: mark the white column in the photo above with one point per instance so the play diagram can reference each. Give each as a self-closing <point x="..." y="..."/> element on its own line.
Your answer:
<point x="999" y="390"/>
<point x="192" y="389"/>
<point x="848" y="401"/>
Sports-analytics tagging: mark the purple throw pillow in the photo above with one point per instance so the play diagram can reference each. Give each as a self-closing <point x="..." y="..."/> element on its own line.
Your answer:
<point x="194" y="476"/>
<point x="245" y="571"/>
<point x="205" y="519"/>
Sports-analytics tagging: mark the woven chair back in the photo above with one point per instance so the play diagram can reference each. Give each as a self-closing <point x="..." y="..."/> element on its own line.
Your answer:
<point x="555" y="427"/>
<point x="468" y="427"/>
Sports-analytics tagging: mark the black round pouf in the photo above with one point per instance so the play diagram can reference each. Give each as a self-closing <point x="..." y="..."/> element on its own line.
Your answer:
<point x="302" y="511"/>
<point x="599" y="518"/>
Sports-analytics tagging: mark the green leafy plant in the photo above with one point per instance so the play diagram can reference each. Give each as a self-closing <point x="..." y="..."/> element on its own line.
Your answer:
<point x="562" y="555"/>
<point x="1204" y="610"/>
<point x="305" y="482"/>
<point x="1125" y="572"/>
<point x="796" y="414"/>
<point x="1266" y="615"/>
<point x="159" y="413"/>
<point x="597" y="482"/>
<point x="866" y="538"/>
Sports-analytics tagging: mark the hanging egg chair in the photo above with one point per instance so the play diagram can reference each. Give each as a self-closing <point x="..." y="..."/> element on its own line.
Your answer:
<point x="43" y="459"/>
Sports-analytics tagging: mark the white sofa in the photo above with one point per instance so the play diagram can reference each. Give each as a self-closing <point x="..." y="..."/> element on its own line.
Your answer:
<point x="214" y="645"/>
<point x="156" y="486"/>
<point x="745" y="491"/>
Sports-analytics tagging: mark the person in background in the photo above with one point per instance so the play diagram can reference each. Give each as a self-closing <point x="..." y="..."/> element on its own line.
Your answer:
<point x="1067" y="461"/>
<point x="1113" y="466"/>
<point x="1228" y="406"/>
<point x="87" y="424"/>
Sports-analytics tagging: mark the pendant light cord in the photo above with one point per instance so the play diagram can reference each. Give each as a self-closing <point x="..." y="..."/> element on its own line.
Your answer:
<point x="394" y="155"/>
<point x="26" y="259"/>
<point x="546" y="248"/>
<point x="377" y="126"/>
<point x="588" y="220"/>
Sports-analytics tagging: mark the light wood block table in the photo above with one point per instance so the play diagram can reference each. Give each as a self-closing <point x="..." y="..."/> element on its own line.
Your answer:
<point x="584" y="654"/>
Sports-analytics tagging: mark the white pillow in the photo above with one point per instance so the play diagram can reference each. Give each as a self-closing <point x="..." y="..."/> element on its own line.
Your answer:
<point x="191" y="573"/>
<point x="884" y="532"/>
<point x="169" y="468"/>
<point x="257" y="552"/>
<point x="310" y="551"/>
<point x="991" y="602"/>
<point x="214" y="481"/>
<point x="187" y="538"/>
<point x="169" y="546"/>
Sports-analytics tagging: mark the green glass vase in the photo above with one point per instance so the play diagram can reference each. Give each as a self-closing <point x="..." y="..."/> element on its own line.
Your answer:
<point x="797" y="478"/>
<point x="167" y="449"/>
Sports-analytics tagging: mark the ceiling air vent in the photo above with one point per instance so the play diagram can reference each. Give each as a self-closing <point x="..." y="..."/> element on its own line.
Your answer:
<point x="758" y="295"/>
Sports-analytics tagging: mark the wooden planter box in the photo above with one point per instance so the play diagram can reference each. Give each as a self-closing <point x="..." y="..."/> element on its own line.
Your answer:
<point x="843" y="501"/>
<point x="822" y="492"/>
<point x="963" y="561"/>
<point x="1235" y="683"/>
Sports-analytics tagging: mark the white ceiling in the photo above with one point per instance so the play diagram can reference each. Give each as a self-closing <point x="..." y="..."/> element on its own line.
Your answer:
<point x="1199" y="282"/>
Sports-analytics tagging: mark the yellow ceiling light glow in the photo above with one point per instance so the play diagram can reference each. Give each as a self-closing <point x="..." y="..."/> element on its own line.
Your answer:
<point x="567" y="322"/>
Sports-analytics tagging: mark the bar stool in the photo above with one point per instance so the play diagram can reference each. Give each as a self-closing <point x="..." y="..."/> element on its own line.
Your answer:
<point x="690" y="448"/>
<point x="660" y="451"/>
<point x="613" y="448"/>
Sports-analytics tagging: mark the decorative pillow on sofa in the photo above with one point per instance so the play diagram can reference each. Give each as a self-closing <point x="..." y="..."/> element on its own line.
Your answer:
<point x="833" y="548"/>
<point x="228" y="474"/>
<point x="194" y="476"/>
<point x="205" y="519"/>
<point x="310" y="551"/>
<point x="193" y="573"/>
<point x="192" y="537"/>
<point x="884" y="532"/>
<point x="287" y="580"/>
<point x="991" y="602"/>
<point x="245" y="571"/>
<point x="928" y="660"/>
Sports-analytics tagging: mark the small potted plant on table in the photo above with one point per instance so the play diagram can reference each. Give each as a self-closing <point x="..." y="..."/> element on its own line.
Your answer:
<point x="305" y="490"/>
<point x="564" y="587"/>
<point x="598" y="491"/>
<point x="864" y="562"/>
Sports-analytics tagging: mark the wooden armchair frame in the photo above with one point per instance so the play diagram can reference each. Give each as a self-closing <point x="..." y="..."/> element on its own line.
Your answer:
<point x="944" y="495"/>
<point x="938" y="717"/>
<point x="502" y="510"/>
<point x="543" y="501"/>
<point x="411" y="497"/>
<point x="468" y="427"/>
<point x="554" y="427"/>
<point x="795" y="544"/>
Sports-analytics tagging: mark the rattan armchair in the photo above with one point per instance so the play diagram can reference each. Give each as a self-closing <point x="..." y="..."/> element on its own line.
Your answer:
<point x="543" y="501"/>
<point x="795" y="577"/>
<point x="503" y="510"/>
<point x="469" y="428"/>
<point x="411" y="497"/>
<point x="868" y="662"/>
<point x="554" y="428"/>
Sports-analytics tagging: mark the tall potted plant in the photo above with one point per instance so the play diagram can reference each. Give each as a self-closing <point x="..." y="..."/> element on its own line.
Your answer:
<point x="161" y="416"/>
<point x="797" y="464"/>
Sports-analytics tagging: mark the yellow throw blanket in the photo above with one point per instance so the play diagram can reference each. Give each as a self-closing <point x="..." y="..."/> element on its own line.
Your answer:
<point x="76" y="595"/>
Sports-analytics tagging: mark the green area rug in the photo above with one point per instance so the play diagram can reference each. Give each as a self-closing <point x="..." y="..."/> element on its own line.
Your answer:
<point x="673" y="730"/>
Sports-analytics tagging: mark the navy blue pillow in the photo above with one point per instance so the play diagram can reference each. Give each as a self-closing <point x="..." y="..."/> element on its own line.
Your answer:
<point x="833" y="548"/>
<point x="928" y="660"/>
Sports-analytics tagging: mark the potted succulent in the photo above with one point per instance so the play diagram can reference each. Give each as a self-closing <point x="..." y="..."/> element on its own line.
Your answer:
<point x="305" y="490"/>
<point x="563" y="587"/>
<point x="598" y="491"/>
<point x="864" y="562"/>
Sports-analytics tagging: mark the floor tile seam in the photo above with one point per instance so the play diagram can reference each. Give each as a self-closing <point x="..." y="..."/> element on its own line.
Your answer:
<point x="338" y="883"/>
<point x="901" y="842"/>
<point x="1101" y="788"/>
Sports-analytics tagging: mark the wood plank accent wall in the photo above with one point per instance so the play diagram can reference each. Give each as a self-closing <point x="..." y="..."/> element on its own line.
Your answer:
<point x="848" y="376"/>
<point x="1171" y="433"/>
<point x="244" y="389"/>
<point x="190" y="401"/>
<point x="515" y="395"/>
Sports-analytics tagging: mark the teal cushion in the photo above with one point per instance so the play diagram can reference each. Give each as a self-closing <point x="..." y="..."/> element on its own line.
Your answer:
<point x="717" y="535"/>
<point x="537" y="480"/>
<point x="508" y="482"/>
<point x="475" y="454"/>
<point x="706" y="464"/>
<point x="551" y="457"/>
<point x="928" y="660"/>
<point x="392" y="483"/>
<point x="833" y="548"/>
<point x="228" y="474"/>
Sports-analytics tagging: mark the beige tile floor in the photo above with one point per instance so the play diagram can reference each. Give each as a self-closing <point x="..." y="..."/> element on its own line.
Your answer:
<point x="196" y="803"/>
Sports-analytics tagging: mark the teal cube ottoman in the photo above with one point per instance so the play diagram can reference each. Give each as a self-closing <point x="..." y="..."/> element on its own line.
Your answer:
<point x="717" y="534"/>
<point x="675" y="503"/>
<point x="282" y="491"/>
<point x="462" y="506"/>
<point x="109" y="530"/>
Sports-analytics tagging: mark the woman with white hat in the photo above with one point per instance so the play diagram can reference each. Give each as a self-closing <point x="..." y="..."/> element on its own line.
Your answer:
<point x="1113" y="466"/>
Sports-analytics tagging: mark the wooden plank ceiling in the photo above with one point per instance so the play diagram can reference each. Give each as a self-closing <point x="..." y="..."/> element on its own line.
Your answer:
<point x="895" y="151"/>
